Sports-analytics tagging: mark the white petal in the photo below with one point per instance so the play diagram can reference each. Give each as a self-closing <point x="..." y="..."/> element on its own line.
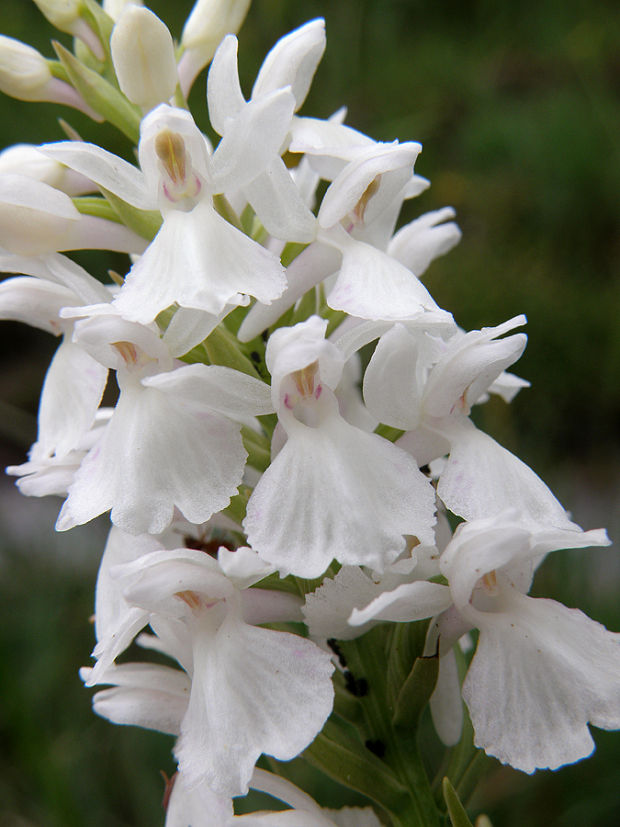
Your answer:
<point x="337" y="492"/>
<point x="310" y="267"/>
<point x="105" y="169"/>
<point x="372" y="285"/>
<point x="110" y="605"/>
<point x="541" y="672"/>
<point x="392" y="385"/>
<point x="35" y="302"/>
<point x="189" y="328"/>
<point x="215" y="387"/>
<point x="143" y="57"/>
<point x="153" y="456"/>
<point x="292" y="348"/>
<point x="252" y="140"/>
<point x="201" y="261"/>
<point x="71" y="394"/>
<point x="424" y="445"/>
<point x="103" y="328"/>
<point x="243" y="566"/>
<point x="387" y="166"/>
<point x="328" y="608"/>
<point x="468" y="366"/>
<point x="329" y="138"/>
<point x="408" y="602"/>
<point x="165" y="118"/>
<point x="224" y="95"/>
<point x="292" y="62"/>
<point x="190" y="807"/>
<point x="479" y="547"/>
<point x="153" y="580"/>
<point x="270" y="606"/>
<point x="63" y="270"/>
<point x="279" y="205"/>
<point x="420" y="242"/>
<point x="507" y="385"/>
<point x="144" y="695"/>
<point x="286" y="818"/>
<point x="482" y="479"/>
<point x="26" y="204"/>
<point x="39" y="479"/>
<point x="505" y="544"/>
<point x="253" y="691"/>
<point x="446" y="704"/>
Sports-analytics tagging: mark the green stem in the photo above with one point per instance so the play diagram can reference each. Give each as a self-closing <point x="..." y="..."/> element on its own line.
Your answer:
<point x="399" y="746"/>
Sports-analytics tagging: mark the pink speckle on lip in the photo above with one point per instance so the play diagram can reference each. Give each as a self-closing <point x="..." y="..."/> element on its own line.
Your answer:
<point x="287" y="402"/>
<point x="318" y="391"/>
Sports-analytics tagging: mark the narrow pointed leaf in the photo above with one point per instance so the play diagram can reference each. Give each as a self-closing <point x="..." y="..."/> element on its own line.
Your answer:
<point x="98" y="93"/>
<point x="344" y="759"/>
<point x="456" y="811"/>
<point x="416" y="692"/>
<point x="145" y="223"/>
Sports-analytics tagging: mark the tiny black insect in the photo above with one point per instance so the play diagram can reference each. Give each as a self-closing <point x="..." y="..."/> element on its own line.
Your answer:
<point x="333" y="645"/>
<point x="356" y="686"/>
<point x="376" y="746"/>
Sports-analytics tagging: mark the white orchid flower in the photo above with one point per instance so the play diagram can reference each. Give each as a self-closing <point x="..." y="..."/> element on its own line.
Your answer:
<point x="26" y="202"/>
<point x="354" y="224"/>
<point x="74" y="382"/>
<point x="541" y="671"/>
<point x="253" y="690"/>
<point x="360" y="493"/>
<point x="197" y="259"/>
<point x="427" y="387"/>
<point x="170" y="441"/>
<point x="290" y="64"/>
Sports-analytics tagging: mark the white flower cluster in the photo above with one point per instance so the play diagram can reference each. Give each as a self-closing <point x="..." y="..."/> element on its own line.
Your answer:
<point x="248" y="451"/>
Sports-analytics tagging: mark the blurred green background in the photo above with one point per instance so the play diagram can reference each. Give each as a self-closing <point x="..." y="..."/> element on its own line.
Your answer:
<point x="517" y="106"/>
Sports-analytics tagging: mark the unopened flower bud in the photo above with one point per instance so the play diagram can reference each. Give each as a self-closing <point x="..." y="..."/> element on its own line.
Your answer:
<point x="25" y="75"/>
<point x="61" y="13"/>
<point x="143" y="56"/>
<point x="24" y="72"/>
<point x="207" y="25"/>
<point x="114" y="8"/>
<point x="66" y="16"/>
<point x="26" y="159"/>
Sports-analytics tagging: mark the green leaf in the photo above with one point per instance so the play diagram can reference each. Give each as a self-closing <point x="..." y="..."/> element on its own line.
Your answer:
<point x="258" y="448"/>
<point x="406" y="643"/>
<point x="456" y="811"/>
<point x="101" y="95"/>
<point x="306" y="307"/>
<point x="344" y="758"/>
<point x="291" y="251"/>
<point x="416" y="692"/>
<point x="387" y="432"/>
<point x="145" y="223"/>
<point x="238" y="504"/>
<point x="94" y="205"/>
<point x="100" y="22"/>
<point x="334" y="318"/>
<point x="223" y="349"/>
<point x="224" y="208"/>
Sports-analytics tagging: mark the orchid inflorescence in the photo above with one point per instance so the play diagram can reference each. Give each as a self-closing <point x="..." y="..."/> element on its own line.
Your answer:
<point x="306" y="522"/>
